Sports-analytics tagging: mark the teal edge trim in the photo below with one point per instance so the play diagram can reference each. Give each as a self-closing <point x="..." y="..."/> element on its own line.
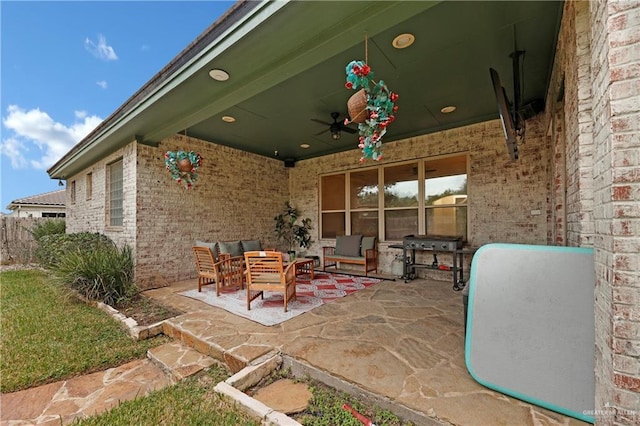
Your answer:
<point x="467" y="343"/>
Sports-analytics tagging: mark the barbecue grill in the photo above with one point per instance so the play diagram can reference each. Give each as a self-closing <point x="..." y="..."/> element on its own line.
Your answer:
<point x="435" y="244"/>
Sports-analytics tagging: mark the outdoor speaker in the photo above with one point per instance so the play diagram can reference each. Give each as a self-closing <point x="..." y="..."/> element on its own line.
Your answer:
<point x="289" y="162"/>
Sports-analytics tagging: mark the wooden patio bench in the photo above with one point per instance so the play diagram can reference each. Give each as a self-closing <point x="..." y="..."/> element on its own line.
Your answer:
<point x="352" y="249"/>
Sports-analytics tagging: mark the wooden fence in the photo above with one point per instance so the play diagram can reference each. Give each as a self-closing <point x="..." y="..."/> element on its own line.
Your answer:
<point x="17" y="244"/>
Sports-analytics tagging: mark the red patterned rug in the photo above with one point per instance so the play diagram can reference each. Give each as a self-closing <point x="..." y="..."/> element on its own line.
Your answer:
<point x="324" y="288"/>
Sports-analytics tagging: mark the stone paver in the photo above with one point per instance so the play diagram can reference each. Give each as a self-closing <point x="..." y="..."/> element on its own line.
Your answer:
<point x="179" y="361"/>
<point x="63" y="401"/>
<point x="285" y="396"/>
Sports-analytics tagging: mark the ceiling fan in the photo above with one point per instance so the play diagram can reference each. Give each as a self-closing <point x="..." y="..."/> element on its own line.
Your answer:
<point x="336" y="127"/>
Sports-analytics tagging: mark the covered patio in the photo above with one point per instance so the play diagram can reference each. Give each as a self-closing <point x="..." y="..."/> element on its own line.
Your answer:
<point x="401" y="343"/>
<point x="254" y="95"/>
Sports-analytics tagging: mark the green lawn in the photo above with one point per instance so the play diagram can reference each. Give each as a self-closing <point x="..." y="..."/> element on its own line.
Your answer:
<point x="47" y="335"/>
<point x="190" y="402"/>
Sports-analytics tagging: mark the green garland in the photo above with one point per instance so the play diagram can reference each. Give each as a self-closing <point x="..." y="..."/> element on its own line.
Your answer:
<point x="188" y="179"/>
<point x="380" y="108"/>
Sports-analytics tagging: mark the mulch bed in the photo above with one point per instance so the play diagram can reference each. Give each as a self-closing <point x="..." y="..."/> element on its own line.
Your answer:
<point x="146" y="311"/>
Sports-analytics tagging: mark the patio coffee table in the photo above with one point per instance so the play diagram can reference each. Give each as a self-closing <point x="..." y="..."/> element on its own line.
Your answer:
<point x="304" y="266"/>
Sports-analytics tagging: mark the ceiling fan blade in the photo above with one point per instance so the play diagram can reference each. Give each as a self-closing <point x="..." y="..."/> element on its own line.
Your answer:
<point x="321" y="122"/>
<point x="349" y="130"/>
<point x="324" y="131"/>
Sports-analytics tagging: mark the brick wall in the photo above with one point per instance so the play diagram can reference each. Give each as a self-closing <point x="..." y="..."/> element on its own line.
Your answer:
<point x="89" y="215"/>
<point x="615" y="82"/>
<point x="598" y="57"/>
<point x="236" y="197"/>
<point x="574" y="57"/>
<point x="501" y="196"/>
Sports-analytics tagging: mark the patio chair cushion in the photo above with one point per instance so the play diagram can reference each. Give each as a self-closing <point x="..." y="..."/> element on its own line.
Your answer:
<point x="251" y="245"/>
<point x="212" y="246"/>
<point x="368" y="243"/>
<point x="348" y="245"/>
<point x="234" y="248"/>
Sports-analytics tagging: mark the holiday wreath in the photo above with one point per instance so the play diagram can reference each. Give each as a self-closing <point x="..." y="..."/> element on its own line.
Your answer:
<point x="183" y="166"/>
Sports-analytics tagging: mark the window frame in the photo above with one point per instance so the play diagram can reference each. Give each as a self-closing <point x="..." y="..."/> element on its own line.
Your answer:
<point x="72" y="191"/>
<point x="52" y="214"/>
<point x="381" y="209"/>
<point x="111" y="218"/>
<point x="89" y="186"/>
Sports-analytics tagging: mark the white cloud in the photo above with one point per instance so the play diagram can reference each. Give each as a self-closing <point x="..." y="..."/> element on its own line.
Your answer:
<point x="101" y="49"/>
<point x="102" y="84"/>
<point x="35" y="128"/>
<point x="12" y="148"/>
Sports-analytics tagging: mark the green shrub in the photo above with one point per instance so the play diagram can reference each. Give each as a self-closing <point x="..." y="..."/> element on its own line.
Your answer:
<point x="53" y="247"/>
<point x="48" y="227"/>
<point x="104" y="273"/>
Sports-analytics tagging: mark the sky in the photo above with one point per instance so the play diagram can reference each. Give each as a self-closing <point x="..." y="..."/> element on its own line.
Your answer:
<point x="67" y="65"/>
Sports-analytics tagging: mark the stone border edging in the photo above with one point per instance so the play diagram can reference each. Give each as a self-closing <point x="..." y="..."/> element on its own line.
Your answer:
<point x="137" y="332"/>
<point x="301" y="369"/>
<point x="251" y="375"/>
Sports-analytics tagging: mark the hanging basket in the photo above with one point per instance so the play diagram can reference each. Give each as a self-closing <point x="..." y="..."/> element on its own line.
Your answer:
<point x="373" y="107"/>
<point x="357" y="105"/>
<point x="184" y="165"/>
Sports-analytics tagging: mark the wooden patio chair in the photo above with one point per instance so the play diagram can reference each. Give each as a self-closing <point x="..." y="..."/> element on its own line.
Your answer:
<point x="266" y="272"/>
<point x="227" y="273"/>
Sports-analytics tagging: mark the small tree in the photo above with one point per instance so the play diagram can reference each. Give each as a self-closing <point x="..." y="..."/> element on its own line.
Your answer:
<point x="290" y="232"/>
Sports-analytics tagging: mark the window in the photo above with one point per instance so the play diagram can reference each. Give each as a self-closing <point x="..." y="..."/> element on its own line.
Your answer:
<point x="114" y="189"/>
<point x="333" y="203"/>
<point x="425" y="196"/>
<point x="364" y="202"/>
<point x="445" y="194"/>
<point x="47" y="214"/>
<point x="401" y="201"/>
<point x="73" y="191"/>
<point x="89" y="185"/>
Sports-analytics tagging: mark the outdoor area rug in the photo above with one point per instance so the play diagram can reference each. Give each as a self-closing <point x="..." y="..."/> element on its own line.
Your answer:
<point x="310" y="294"/>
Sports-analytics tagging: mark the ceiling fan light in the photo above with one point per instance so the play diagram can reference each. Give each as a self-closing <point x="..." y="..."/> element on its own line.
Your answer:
<point x="335" y="135"/>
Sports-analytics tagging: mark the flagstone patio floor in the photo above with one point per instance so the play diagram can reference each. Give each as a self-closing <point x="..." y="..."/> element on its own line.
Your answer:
<point x="401" y="342"/>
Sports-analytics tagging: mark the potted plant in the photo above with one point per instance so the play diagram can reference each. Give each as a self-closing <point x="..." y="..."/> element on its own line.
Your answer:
<point x="290" y="232"/>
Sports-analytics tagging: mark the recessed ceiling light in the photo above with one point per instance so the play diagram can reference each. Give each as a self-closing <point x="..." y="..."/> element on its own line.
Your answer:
<point x="228" y="118"/>
<point x="448" y="109"/>
<point x="305" y="145"/>
<point x="403" y="40"/>
<point x="218" y="74"/>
